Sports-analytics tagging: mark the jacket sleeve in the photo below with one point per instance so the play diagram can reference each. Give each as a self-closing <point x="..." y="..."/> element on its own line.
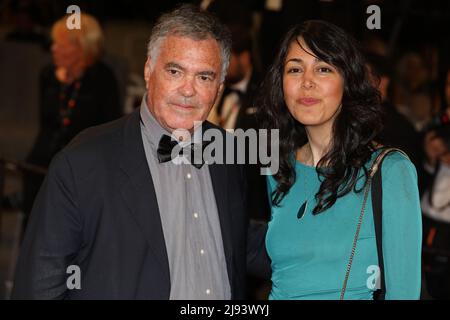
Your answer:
<point x="258" y="262"/>
<point x="52" y="239"/>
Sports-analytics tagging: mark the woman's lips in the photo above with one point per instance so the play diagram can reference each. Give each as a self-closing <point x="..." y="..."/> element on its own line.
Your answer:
<point x="308" y="101"/>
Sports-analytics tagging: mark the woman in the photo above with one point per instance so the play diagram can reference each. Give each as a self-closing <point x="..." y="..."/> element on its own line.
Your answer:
<point x="317" y="93"/>
<point x="76" y="91"/>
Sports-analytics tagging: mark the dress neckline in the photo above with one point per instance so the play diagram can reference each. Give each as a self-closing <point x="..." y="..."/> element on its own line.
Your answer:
<point x="298" y="163"/>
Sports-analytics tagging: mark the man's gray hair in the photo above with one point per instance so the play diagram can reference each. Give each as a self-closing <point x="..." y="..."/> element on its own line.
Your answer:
<point x="192" y="22"/>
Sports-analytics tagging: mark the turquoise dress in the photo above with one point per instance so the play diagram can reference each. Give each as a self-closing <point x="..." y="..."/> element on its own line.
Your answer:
<point x="310" y="255"/>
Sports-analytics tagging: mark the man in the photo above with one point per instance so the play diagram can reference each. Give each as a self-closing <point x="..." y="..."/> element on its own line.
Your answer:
<point x="397" y="130"/>
<point x="436" y="212"/>
<point x="137" y="225"/>
<point x="235" y="108"/>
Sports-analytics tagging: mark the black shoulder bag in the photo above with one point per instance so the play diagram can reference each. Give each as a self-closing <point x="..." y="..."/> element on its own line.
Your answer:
<point x="374" y="182"/>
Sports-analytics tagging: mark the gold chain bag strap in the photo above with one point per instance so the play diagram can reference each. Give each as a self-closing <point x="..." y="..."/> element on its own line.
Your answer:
<point x="372" y="172"/>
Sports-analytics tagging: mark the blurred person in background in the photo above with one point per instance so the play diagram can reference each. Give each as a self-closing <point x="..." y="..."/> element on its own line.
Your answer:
<point x="411" y="76"/>
<point x="436" y="200"/>
<point x="397" y="130"/>
<point x="236" y="110"/>
<point x="413" y="93"/>
<point x="77" y="91"/>
<point x="25" y="16"/>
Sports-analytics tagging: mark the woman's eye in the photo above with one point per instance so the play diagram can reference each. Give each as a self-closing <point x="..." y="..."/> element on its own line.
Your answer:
<point x="324" y="70"/>
<point x="294" y="70"/>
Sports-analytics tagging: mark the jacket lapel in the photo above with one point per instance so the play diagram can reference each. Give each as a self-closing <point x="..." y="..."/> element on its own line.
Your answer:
<point x="139" y="194"/>
<point x="138" y="191"/>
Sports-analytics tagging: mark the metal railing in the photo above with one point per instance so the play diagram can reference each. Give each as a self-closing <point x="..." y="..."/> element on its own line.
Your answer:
<point x="6" y="166"/>
<point x="15" y="166"/>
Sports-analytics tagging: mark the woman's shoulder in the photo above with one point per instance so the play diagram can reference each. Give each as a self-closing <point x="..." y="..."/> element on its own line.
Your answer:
<point x="396" y="162"/>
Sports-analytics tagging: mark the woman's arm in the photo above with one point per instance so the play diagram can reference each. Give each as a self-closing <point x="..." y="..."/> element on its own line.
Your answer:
<point x="402" y="229"/>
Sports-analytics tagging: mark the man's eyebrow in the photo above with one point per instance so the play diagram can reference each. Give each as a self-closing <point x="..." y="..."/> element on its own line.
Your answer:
<point x="201" y="73"/>
<point x="207" y="73"/>
<point x="174" y="65"/>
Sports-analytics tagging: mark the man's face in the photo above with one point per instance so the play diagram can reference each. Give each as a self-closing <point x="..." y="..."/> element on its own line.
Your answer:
<point x="184" y="81"/>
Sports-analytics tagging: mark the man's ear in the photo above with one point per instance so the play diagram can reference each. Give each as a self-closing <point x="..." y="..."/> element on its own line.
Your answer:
<point x="147" y="72"/>
<point x="220" y="91"/>
<point x="219" y="94"/>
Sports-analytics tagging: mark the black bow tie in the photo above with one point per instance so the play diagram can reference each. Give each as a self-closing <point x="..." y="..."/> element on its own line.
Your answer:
<point x="166" y="145"/>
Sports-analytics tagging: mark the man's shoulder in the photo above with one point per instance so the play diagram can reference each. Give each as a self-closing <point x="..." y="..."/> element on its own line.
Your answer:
<point x="98" y="135"/>
<point x="102" y="142"/>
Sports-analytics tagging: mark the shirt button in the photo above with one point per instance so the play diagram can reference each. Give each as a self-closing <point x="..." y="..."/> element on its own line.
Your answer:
<point x="195" y="215"/>
<point x="202" y="252"/>
<point x="188" y="176"/>
<point x="208" y="292"/>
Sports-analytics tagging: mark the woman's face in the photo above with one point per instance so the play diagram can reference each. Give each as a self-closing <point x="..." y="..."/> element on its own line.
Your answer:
<point x="312" y="89"/>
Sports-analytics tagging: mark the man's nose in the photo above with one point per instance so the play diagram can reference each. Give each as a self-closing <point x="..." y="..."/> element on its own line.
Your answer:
<point x="187" y="89"/>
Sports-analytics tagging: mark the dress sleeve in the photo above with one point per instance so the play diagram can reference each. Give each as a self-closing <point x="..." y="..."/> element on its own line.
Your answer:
<point x="402" y="229"/>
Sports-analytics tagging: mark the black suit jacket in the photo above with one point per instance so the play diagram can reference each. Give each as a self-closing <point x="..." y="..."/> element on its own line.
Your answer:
<point x="246" y="119"/>
<point x="258" y="204"/>
<point x="97" y="209"/>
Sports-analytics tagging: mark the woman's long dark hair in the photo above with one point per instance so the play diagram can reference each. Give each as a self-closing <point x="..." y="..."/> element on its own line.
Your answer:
<point x="354" y="129"/>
